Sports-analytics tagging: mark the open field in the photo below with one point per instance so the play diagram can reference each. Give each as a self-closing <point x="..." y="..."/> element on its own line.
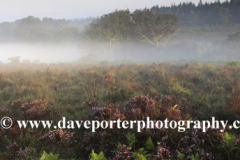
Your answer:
<point x="120" y="80"/>
<point x="105" y="91"/>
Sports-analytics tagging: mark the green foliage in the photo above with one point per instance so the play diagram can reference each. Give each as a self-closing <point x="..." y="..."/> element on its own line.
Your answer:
<point x="149" y="144"/>
<point x="118" y="26"/>
<point x="49" y="91"/>
<point x="115" y="26"/>
<point x="49" y="156"/>
<point x="196" y="157"/>
<point x="131" y="140"/>
<point x="48" y="29"/>
<point x="180" y="155"/>
<point x="180" y="91"/>
<point x="154" y="27"/>
<point x="141" y="154"/>
<point x="233" y="63"/>
<point x="229" y="140"/>
<point x="145" y="26"/>
<point x="95" y="156"/>
<point x="118" y="146"/>
<point x="203" y="14"/>
<point x="138" y="156"/>
<point x="229" y="147"/>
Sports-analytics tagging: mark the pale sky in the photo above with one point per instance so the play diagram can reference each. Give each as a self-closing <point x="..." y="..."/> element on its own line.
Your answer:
<point x="11" y="10"/>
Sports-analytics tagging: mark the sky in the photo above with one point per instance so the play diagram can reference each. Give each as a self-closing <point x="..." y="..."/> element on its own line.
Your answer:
<point x="11" y="10"/>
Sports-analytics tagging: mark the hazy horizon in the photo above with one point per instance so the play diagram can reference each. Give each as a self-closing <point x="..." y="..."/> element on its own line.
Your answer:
<point x="43" y="52"/>
<point x="12" y="10"/>
<point x="51" y="41"/>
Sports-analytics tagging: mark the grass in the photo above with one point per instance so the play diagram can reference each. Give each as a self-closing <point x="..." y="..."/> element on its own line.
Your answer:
<point x="64" y="88"/>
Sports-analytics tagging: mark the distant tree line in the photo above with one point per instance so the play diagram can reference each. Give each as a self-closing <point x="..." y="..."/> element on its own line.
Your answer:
<point x="216" y="13"/>
<point x="118" y="26"/>
<point x="148" y="25"/>
<point x="47" y="29"/>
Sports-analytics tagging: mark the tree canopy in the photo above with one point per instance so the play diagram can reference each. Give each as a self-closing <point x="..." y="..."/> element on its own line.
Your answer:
<point x="154" y="27"/>
<point x="216" y="13"/>
<point x="141" y="25"/>
<point x="115" y="26"/>
<point x="120" y="26"/>
<point x="47" y="29"/>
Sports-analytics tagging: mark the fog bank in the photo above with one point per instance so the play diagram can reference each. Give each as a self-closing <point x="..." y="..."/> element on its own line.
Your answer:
<point x="44" y="52"/>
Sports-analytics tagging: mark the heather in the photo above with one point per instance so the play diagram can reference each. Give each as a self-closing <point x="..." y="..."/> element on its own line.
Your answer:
<point x="104" y="91"/>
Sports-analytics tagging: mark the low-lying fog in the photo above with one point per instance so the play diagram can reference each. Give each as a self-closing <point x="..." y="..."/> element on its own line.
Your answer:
<point x="43" y="52"/>
<point x="134" y="52"/>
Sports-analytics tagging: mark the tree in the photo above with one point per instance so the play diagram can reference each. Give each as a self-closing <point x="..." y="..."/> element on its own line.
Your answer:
<point x="217" y="15"/>
<point x="14" y="60"/>
<point x="154" y="27"/>
<point x="30" y="21"/>
<point x="115" y="26"/>
<point x="142" y="25"/>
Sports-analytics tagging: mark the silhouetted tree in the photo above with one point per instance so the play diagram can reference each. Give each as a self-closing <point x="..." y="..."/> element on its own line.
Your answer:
<point x="115" y="26"/>
<point x="154" y="27"/>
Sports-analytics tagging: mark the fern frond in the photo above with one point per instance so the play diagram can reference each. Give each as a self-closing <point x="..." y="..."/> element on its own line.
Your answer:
<point x="196" y="157"/>
<point x="95" y="156"/>
<point x="49" y="156"/>
<point x="149" y="144"/>
<point x="180" y="155"/>
<point x="131" y="139"/>
<point x="138" y="156"/>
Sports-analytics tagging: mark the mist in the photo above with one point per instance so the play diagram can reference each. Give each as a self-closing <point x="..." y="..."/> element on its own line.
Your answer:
<point x="175" y="49"/>
<point x="178" y="63"/>
<point x="42" y="52"/>
<point x="206" y="48"/>
<point x="49" y="40"/>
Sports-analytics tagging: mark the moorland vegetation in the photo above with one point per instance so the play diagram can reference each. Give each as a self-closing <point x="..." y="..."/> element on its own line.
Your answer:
<point x="104" y="91"/>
